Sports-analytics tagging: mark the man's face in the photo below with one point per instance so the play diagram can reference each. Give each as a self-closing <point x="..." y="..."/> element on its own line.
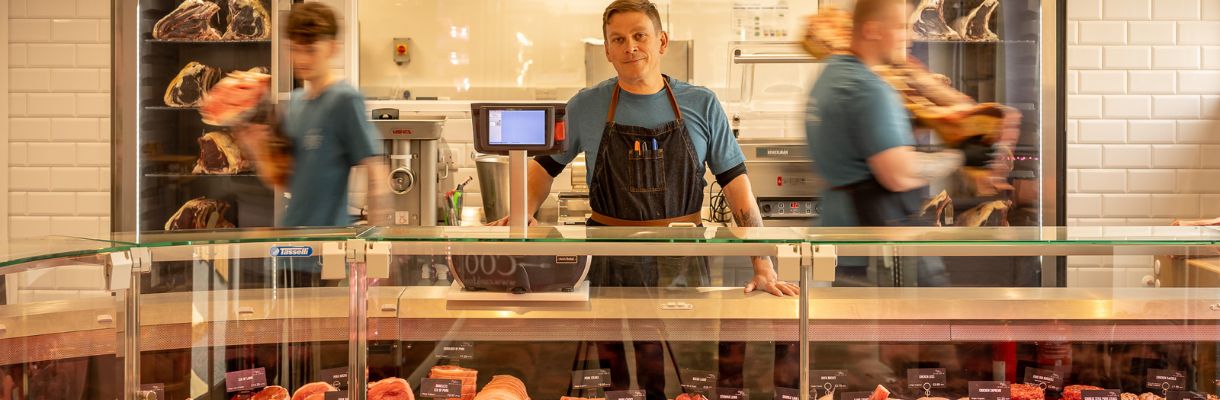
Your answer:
<point x="634" y="45"/>
<point x="893" y="33"/>
<point x="309" y="60"/>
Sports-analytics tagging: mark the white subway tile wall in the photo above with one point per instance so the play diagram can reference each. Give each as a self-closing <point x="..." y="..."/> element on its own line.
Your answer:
<point x="1144" y="140"/>
<point x="59" y="117"/>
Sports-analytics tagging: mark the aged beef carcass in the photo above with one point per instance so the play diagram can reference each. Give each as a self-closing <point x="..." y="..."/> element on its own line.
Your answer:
<point x="271" y="393"/>
<point x="190" y="87"/>
<point x="219" y="155"/>
<point x="976" y="25"/>
<point x="503" y="387"/>
<point x="939" y="208"/>
<point x="928" y="22"/>
<point x="390" y="389"/>
<point x="248" y="20"/>
<point x="190" y="21"/>
<point x="200" y="213"/>
<point x="993" y="213"/>
<point x="312" y="390"/>
<point x="232" y="100"/>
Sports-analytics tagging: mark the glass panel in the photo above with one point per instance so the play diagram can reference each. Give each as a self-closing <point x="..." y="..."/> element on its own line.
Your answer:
<point x="587" y="234"/>
<point x="1015" y="235"/>
<point x="1048" y="321"/>
<point x="243" y="315"/>
<point x="664" y="315"/>
<point x="24" y="250"/>
<point x="60" y="323"/>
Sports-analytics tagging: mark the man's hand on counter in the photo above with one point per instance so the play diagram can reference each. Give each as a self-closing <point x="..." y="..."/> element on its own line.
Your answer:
<point x="765" y="279"/>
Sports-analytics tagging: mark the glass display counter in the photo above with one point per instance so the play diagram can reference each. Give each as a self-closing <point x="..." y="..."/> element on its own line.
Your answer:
<point x="613" y="313"/>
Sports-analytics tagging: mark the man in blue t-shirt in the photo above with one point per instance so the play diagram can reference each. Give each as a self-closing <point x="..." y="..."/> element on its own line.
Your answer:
<point x="648" y="140"/>
<point x="329" y="128"/>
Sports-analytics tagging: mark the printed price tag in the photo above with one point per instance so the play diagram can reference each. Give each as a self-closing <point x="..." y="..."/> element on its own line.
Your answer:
<point x="626" y="395"/>
<point x="340" y="395"/>
<point x="787" y="394"/>
<point x="1185" y="395"/>
<point x="591" y="379"/>
<point x="1107" y="394"/>
<point x="856" y="395"/>
<point x="1045" y="378"/>
<point x="927" y="378"/>
<point x="456" y="351"/>
<point x="249" y="379"/>
<point x="699" y="381"/>
<point x="336" y="377"/>
<point x="828" y="380"/>
<point x="440" y="388"/>
<point x="1166" y="379"/>
<point x="731" y="394"/>
<point x="988" y="390"/>
<point x="158" y="389"/>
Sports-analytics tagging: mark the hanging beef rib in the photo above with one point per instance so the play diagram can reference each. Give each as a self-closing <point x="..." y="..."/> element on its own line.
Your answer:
<point x="248" y="20"/>
<point x="219" y="155"/>
<point x="235" y="98"/>
<point x="200" y="213"/>
<point x="928" y="22"/>
<point x="191" y="86"/>
<point x="190" y="21"/>
<point x="976" y="25"/>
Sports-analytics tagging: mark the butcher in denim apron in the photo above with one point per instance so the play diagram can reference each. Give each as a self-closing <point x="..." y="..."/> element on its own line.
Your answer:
<point x="647" y="177"/>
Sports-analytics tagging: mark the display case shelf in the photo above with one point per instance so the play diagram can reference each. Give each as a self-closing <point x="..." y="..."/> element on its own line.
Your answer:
<point x="209" y="42"/>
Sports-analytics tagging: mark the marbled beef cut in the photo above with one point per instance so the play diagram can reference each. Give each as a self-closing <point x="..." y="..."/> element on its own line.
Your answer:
<point x="190" y="87"/>
<point x="975" y="26"/>
<point x="928" y="22"/>
<point x="248" y="20"/>
<point x="192" y="20"/>
<point x="219" y="155"/>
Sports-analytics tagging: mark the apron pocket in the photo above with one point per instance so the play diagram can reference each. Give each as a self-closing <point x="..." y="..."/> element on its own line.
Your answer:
<point x="646" y="172"/>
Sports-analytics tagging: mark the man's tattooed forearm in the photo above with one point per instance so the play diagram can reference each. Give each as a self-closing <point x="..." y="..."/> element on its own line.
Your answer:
<point x="746" y="217"/>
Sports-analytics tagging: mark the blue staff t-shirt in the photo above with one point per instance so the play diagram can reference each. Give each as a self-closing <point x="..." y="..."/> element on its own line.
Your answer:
<point x="330" y="134"/>
<point x="706" y="122"/>
<point x="851" y="115"/>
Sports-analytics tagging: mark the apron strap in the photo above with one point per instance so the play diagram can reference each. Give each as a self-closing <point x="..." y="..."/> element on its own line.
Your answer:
<point x="673" y="101"/>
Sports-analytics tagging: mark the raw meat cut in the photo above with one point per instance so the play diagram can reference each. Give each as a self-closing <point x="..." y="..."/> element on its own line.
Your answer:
<point x="390" y="389"/>
<point x="1023" y="391"/>
<point x="190" y="87"/>
<point x="219" y="155"/>
<point x="235" y="98"/>
<point x="1150" y="396"/>
<point x="928" y="22"/>
<point x="581" y="398"/>
<point x="880" y="393"/>
<point x="1128" y="396"/>
<point x="828" y="32"/>
<point x="271" y="393"/>
<point x="190" y="21"/>
<point x="248" y="20"/>
<point x="940" y="207"/>
<point x="691" y="396"/>
<point x="1204" y="222"/>
<point x="312" y="390"/>
<point x="976" y="25"/>
<point x="1072" y="392"/>
<point x="200" y="213"/>
<point x="469" y="378"/>
<point x="503" y="387"/>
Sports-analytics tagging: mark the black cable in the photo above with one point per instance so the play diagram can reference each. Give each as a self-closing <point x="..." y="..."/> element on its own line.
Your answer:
<point x="718" y="204"/>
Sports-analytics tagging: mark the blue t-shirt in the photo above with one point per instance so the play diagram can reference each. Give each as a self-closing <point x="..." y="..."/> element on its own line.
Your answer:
<point x="706" y="122"/>
<point x="330" y="134"/>
<point x="851" y="115"/>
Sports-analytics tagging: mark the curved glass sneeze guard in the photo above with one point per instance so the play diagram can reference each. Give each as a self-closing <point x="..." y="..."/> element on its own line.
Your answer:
<point x="177" y="314"/>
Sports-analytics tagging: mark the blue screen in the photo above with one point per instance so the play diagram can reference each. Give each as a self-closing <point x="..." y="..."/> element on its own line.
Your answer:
<point x="516" y="127"/>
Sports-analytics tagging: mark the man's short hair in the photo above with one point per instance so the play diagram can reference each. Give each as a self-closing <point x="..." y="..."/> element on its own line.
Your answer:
<point x="310" y="22"/>
<point x="640" y="6"/>
<point x="870" y="10"/>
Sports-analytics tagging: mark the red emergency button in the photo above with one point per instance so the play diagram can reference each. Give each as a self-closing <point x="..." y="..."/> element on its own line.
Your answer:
<point x="401" y="49"/>
<point x="779" y="181"/>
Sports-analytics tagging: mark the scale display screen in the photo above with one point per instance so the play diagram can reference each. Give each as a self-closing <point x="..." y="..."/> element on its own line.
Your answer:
<point x="517" y="127"/>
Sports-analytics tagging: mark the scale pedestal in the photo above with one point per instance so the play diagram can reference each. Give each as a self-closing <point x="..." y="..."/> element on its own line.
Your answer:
<point x="518" y="197"/>
<point x="580" y="293"/>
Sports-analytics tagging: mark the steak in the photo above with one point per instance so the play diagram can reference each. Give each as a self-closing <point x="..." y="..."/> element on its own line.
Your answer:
<point x="219" y="155"/>
<point x="190" y="88"/>
<point x="200" y="213"/>
<point x="975" y="26"/>
<point x="248" y="20"/>
<point x="928" y="22"/>
<point x="192" y="20"/>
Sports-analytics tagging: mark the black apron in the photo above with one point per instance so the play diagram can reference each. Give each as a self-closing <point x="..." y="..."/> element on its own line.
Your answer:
<point x="647" y="177"/>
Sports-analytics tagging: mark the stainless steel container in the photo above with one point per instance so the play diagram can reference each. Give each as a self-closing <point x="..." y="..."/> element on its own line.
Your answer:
<point x="493" y="184"/>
